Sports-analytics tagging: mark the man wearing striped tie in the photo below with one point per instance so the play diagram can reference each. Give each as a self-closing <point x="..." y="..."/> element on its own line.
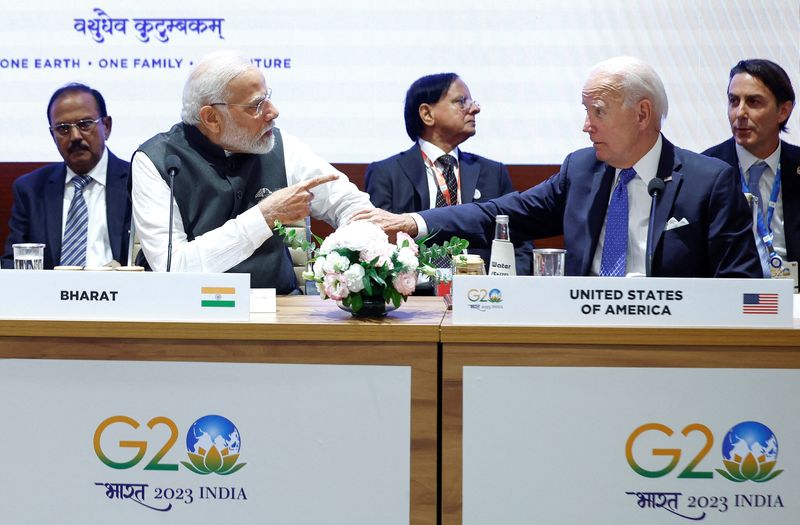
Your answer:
<point x="78" y="208"/>
<point x="440" y="115"/>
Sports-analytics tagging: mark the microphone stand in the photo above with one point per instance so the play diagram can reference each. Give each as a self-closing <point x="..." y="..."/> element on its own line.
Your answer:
<point x="169" y="235"/>
<point x="654" y="188"/>
<point x="173" y="163"/>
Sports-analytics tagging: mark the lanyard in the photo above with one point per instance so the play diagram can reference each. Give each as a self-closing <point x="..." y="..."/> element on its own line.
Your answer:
<point x="440" y="182"/>
<point x="764" y="225"/>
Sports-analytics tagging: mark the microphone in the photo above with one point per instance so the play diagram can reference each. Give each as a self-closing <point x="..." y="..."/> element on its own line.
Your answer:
<point x="655" y="188"/>
<point x="173" y="164"/>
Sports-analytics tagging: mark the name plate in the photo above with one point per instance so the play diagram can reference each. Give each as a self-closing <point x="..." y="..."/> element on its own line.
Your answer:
<point x="125" y="296"/>
<point x="609" y="301"/>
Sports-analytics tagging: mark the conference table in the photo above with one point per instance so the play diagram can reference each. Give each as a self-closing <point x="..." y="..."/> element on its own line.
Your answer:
<point x="535" y="424"/>
<point x="550" y="424"/>
<point x="359" y="396"/>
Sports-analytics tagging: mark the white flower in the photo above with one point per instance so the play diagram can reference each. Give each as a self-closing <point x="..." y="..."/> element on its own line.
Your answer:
<point x="407" y="258"/>
<point x="336" y="263"/>
<point x="319" y="268"/>
<point x="355" y="278"/>
<point x="335" y="286"/>
<point x="321" y="290"/>
<point x="355" y="236"/>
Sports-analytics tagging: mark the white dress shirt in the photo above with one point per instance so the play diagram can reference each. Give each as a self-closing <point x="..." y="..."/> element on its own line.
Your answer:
<point x="98" y="246"/>
<point x="434" y="152"/>
<point x="223" y="248"/>
<point x="746" y="161"/>
<point x="639" y="202"/>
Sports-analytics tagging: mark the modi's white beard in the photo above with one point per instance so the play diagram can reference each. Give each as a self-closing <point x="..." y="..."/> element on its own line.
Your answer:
<point x="237" y="139"/>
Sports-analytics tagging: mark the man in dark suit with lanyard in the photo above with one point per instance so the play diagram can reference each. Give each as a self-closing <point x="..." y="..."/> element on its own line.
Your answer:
<point x="599" y="198"/>
<point x="78" y="208"/>
<point x="439" y="116"/>
<point x="760" y="102"/>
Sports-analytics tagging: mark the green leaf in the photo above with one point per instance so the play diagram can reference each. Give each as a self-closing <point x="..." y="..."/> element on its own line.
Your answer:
<point x="291" y="239"/>
<point x="367" y="282"/>
<point x="356" y="302"/>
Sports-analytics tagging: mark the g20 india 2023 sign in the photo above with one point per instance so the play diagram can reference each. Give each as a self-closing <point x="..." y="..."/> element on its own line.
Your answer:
<point x="749" y="453"/>
<point x="213" y="444"/>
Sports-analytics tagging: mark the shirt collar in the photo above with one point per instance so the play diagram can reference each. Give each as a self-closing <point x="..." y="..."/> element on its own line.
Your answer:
<point x="747" y="159"/>
<point x="647" y="167"/>
<point x="98" y="173"/>
<point x="434" y="152"/>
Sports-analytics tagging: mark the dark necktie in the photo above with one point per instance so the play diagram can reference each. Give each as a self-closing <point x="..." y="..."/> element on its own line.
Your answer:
<point x="615" y="243"/>
<point x="448" y="164"/>
<point x="448" y="170"/>
<point x="73" y="247"/>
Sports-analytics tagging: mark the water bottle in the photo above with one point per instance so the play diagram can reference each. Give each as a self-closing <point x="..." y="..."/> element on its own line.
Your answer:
<point x="502" y="258"/>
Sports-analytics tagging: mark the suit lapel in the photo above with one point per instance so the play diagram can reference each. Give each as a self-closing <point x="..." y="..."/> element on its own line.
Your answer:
<point x="669" y="171"/>
<point x="729" y="155"/>
<point x="790" y="193"/>
<point x="414" y="168"/>
<point x="602" y="180"/>
<point x="469" y="171"/>
<point x="53" y="209"/>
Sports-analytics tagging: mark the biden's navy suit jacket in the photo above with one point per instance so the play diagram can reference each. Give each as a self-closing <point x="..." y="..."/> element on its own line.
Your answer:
<point x="717" y="240"/>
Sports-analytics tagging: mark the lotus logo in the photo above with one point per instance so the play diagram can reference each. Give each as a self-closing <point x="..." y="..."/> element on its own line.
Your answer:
<point x="749" y="452"/>
<point x="212" y="445"/>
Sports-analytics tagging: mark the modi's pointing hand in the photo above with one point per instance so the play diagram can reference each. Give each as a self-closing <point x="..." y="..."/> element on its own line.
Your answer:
<point x="292" y="203"/>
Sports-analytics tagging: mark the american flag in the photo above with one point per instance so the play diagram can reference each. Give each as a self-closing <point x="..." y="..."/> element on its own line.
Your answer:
<point x="760" y="303"/>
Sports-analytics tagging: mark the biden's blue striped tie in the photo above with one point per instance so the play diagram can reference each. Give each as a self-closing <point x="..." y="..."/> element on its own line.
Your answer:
<point x="73" y="247"/>
<point x="615" y="243"/>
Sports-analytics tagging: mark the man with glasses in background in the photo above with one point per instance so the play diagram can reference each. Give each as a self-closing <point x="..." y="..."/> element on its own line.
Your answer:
<point x="440" y="115"/>
<point x="78" y="208"/>
<point x="239" y="174"/>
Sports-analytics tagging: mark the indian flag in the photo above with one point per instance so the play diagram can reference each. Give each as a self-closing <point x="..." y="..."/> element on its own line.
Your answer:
<point x="217" y="297"/>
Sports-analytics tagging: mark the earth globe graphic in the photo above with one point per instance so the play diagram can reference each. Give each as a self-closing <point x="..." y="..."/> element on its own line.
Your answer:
<point x="213" y="430"/>
<point x="750" y="437"/>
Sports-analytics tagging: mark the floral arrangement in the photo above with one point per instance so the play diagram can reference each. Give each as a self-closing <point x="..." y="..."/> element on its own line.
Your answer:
<point x="357" y="263"/>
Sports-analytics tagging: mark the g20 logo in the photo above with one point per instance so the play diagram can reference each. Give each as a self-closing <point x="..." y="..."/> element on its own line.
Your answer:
<point x="212" y="444"/>
<point x="481" y="295"/>
<point x="749" y="452"/>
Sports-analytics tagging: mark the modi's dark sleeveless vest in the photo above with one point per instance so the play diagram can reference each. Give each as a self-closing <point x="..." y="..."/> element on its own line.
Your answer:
<point x="213" y="188"/>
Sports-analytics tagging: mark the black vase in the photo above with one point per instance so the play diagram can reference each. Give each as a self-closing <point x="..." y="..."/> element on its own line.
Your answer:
<point x="371" y="307"/>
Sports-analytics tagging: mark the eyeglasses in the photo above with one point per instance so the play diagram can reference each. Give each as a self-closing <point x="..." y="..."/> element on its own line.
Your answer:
<point x="258" y="106"/>
<point x="465" y="104"/>
<point x="84" y="126"/>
